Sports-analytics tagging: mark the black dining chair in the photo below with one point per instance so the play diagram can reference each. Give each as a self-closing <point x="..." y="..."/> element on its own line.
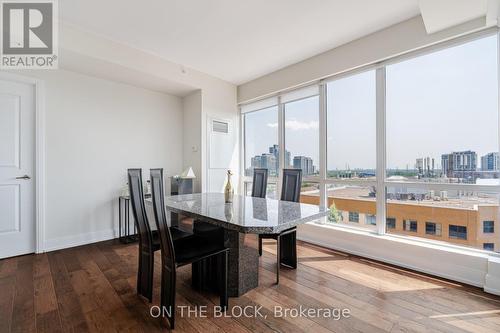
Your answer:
<point x="186" y="251"/>
<point x="287" y="239"/>
<point x="259" y="185"/>
<point x="149" y="240"/>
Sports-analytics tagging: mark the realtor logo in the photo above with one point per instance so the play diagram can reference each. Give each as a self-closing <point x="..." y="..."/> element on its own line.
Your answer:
<point x="29" y="34"/>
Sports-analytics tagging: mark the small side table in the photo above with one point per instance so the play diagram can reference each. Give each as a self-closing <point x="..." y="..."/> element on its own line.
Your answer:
<point x="124" y="221"/>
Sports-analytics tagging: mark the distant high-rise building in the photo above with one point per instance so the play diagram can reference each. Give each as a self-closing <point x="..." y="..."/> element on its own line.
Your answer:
<point x="274" y="149"/>
<point x="490" y="162"/>
<point x="425" y="166"/>
<point x="288" y="158"/>
<point x="255" y="162"/>
<point x="459" y="164"/>
<point x="305" y="163"/>
<point x="271" y="160"/>
<point x="419" y="165"/>
<point x="266" y="161"/>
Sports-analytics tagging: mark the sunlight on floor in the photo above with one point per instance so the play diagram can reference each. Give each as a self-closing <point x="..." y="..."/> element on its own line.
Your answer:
<point x="379" y="278"/>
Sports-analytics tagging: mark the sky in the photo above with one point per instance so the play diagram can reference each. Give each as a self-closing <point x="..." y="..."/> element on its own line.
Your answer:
<point x="438" y="103"/>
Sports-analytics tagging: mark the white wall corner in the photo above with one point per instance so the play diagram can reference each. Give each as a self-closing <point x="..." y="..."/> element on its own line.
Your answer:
<point x="493" y="13"/>
<point x="192" y="139"/>
<point x="492" y="279"/>
<point x="439" y="15"/>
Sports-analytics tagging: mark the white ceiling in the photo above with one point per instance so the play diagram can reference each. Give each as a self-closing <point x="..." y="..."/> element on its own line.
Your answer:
<point x="235" y="40"/>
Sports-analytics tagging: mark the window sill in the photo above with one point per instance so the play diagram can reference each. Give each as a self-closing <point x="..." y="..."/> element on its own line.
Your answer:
<point x="467" y="265"/>
<point x="409" y="239"/>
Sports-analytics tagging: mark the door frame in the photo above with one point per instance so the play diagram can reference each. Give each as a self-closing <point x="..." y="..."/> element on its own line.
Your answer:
<point x="40" y="189"/>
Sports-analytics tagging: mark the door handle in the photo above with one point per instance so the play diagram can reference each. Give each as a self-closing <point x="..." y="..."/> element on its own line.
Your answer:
<point x="25" y="177"/>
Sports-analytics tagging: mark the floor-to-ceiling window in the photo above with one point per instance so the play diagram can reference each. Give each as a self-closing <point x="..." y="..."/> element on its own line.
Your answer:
<point x="409" y="147"/>
<point x="441" y="128"/>
<point x="261" y="145"/>
<point x="351" y="150"/>
<point x="301" y="119"/>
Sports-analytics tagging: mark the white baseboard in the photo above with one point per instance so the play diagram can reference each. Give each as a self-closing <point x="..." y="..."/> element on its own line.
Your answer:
<point x="77" y="240"/>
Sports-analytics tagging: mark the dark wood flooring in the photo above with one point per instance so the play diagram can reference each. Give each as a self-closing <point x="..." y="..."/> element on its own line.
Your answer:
<point x="92" y="288"/>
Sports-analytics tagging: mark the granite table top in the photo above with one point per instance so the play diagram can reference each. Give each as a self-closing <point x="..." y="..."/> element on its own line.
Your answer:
<point x="246" y="214"/>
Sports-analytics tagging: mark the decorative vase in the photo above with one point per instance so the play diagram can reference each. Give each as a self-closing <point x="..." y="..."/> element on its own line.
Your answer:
<point x="228" y="212"/>
<point x="229" y="190"/>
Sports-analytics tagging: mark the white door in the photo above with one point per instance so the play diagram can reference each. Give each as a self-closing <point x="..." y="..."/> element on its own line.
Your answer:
<point x="17" y="169"/>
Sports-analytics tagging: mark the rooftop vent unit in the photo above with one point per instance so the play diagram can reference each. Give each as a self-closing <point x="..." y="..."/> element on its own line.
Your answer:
<point x="443" y="195"/>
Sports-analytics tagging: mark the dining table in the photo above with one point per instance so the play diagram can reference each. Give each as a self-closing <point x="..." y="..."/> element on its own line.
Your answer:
<point x="241" y="221"/>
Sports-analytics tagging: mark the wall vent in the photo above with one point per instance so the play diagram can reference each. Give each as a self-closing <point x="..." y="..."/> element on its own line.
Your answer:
<point x="220" y="127"/>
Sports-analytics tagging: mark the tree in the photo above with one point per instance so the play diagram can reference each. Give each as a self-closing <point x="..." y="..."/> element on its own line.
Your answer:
<point x="335" y="215"/>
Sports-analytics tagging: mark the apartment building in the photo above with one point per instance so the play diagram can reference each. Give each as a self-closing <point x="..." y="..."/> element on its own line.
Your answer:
<point x="490" y="162"/>
<point x="470" y="220"/>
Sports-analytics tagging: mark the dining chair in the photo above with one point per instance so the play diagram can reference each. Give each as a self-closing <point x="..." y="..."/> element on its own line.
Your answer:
<point x="187" y="251"/>
<point x="286" y="241"/>
<point x="259" y="184"/>
<point x="149" y="240"/>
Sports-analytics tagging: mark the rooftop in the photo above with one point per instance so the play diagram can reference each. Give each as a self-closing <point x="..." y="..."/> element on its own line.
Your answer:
<point x="363" y="193"/>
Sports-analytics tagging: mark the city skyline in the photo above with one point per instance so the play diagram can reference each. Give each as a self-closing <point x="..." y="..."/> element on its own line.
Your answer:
<point x="466" y="165"/>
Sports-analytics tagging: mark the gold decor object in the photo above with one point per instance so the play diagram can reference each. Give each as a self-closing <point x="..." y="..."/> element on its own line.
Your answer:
<point x="229" y="190"/>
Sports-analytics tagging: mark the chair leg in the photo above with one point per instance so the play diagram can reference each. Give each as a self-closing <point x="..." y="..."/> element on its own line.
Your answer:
<point x="278" y="259"/>
<point x="145" y="274"/>
<point x="294" y="250"/>
<point x="260" y="245"/>
<point x="167" y="296"/>
<point x="289" y="249"/>
<point x="223" y="288"/>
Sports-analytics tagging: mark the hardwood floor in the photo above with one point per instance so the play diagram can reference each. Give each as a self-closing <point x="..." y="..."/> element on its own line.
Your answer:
<point x="92" y="288"/>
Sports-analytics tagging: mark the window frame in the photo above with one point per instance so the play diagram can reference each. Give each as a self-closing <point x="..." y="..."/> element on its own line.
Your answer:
<point x="491" y="228"/>
<point x="380" y="183"/>
<point x="410" y="223"/>
<point x="456" y="233"/>
<point x="387" y="224"/>
<point x="305" y="178"/>
<point x="369" y="217"/>
<point x="492" y="247"/>
<point x="433" y="231"/>
<point x="353" y="220"/>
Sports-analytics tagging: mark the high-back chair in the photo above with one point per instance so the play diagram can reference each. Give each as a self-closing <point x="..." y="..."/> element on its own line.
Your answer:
<point x="290" y="190"/>
<point x="148" y="243"/>
<point x="259" y="185"/>
<point x="183" y="252"/>
<point x="287" y="239"/>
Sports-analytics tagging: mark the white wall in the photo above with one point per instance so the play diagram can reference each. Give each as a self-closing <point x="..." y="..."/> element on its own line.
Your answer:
<point x="191" y="139"/>
<point x="95" y="130"/>
<point x="81" y="51"/>
<point x="398" y="39"/>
